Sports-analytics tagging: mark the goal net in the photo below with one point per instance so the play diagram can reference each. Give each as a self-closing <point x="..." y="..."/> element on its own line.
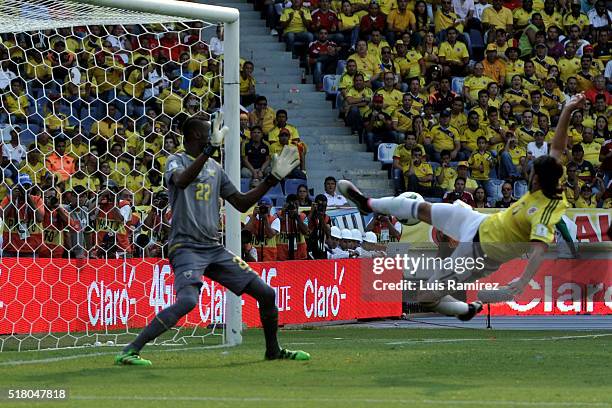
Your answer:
<point x="93" y="97"/>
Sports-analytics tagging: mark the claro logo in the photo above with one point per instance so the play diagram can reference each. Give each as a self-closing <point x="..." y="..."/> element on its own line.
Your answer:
<point x="322" y="300"/>
<point x="568" y="297"/>
<point x="110" y="304"/>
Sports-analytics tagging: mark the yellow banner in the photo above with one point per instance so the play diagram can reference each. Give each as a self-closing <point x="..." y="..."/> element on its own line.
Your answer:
<point x="591" y="227"/>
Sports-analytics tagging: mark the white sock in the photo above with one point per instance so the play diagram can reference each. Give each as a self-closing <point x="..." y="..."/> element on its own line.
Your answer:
<point x="399" y="207"/>
<point x="451" y="307"/>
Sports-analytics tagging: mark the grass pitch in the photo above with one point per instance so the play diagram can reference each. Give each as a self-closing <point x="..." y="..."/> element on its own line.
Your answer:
<point x="351" y="367"/>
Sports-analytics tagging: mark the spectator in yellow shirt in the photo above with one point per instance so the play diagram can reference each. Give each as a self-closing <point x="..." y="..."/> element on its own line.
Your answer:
<point x="296" y="22"/>
<point x="481" y="162"/>
<point x="542" y="62"/>
<point x="357" y="103"/>
<point x="453" y="54"/>
<point x="402" y="158"/>
<point x="587" y="199"/>
<point x="569" y="63"/>
<point x="34" y="166"/>
<point x="247" y="84"/>
<point x="445" y="173"/>
<point x="514" y="65"/>
<point x="497" y="16"/>
<point x="263" y="115"/>
<point x="475" y="83"/>
<point x="400" y="20"/>
<point x="550" y="16"/>
<point x="420" y="176"/>
<point x="171" y="100"/>
<point x="16" y="101"/>
<point x="443" y="137"/>
<point x="349" y="23"/>
<point x="366" y="63"/>
<point x="522" y="15"/>
<point x="591" y="148"/>
<point x="586" y="75"/>
<point x="56" y="119"/>
<point x="281" y="123"/>
<point x="530" y="81"/>
<point x="575" y="17"/>
<point x="445" y="18"/>
<point x="392" y="96"/>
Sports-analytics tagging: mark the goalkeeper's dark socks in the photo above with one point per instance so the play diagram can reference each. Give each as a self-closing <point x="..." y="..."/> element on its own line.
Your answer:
<point x="273" y="354"/>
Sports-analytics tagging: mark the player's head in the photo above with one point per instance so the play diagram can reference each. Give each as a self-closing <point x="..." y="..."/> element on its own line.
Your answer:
<point x="196" y="132"/>
<point x="545" y="175"/>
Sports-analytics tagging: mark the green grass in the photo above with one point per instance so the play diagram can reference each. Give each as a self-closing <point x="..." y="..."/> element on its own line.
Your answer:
<point x="351" y="367"/>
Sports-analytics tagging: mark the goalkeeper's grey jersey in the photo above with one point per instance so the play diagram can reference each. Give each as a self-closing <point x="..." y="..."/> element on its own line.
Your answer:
<point x="195" y="209"/>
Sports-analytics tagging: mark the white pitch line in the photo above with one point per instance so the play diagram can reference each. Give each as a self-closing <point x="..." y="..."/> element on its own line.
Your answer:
<point x="108" y="353"/>
<point x="428" y="341"/>
<point x="259" y="400"/>
<point x="549" y="338"/>
<point x="585" y="336"/>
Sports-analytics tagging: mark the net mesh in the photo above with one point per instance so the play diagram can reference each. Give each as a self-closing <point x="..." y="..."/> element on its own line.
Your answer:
<point x="92" y="103"/>
<point x="18" y="15"/>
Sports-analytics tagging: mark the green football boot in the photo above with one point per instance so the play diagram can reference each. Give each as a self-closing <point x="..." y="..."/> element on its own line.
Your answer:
<point x="290" y="355"/>
<point x="131" y="357"/>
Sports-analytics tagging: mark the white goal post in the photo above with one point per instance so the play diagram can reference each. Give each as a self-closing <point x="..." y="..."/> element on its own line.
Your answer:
<point x="21" y="15"/>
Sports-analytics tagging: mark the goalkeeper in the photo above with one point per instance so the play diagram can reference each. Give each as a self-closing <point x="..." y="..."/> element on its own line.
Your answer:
<point x="195" y="183"/>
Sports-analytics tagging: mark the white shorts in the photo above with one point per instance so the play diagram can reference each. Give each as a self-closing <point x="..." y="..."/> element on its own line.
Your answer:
<point x="457" y="220"/>
<point x="461" y="223"/>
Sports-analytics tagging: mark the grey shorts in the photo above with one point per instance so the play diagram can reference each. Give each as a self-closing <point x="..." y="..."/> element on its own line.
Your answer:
<point x="189" y="263"/>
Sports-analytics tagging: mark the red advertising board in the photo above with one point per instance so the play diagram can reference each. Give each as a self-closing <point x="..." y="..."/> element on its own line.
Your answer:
<point x="42" y="296"/>
<point x="561" y="286"/>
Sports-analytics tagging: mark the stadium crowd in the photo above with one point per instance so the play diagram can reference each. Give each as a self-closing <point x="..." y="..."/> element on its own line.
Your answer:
<point x="463" y="94"/>
<point x="89" y="118"/>
<point x="466" y="94"/>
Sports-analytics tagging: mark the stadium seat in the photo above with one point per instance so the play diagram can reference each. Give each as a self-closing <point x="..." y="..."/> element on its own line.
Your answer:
<point x="496" y="186"/>
<point x="477" y="44"/>
<point x="244" y="184"/>
<point x="330" y="84"/>
<point x="291" y="185"/>
<point x="520" y="188"/>
<point x="457" y="85"/>
<point x="385" y="152"/>
<point x="340" y="67"/>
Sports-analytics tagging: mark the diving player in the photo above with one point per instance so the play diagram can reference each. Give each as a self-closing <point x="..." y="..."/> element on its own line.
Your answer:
<point x="497" y="238"/>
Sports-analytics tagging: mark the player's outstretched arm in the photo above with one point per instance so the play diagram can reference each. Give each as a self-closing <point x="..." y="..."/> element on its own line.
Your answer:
<point x="536" y="256"/>
<point x="282" y="165"/>
<point x="559" y="141"/>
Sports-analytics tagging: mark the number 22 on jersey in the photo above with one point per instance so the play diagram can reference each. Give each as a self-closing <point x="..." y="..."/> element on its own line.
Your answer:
<point x="202" y="191"/>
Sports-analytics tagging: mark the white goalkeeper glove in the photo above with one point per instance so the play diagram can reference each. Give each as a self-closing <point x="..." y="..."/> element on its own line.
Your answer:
<point x="218" y="133"/>
<point x="285" y="162"/>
